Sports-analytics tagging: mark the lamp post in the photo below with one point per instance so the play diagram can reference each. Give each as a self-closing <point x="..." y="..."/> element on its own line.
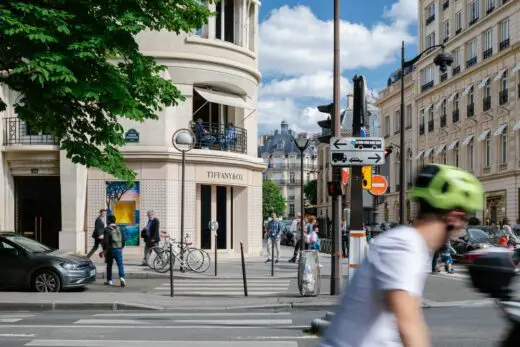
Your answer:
<point x="442" y="60"/>
<point x="302" y="143"/>
<point x="183" y="140"/>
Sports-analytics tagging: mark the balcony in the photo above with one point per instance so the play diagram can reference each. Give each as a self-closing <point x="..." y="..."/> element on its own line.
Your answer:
<point x="430" y="19"/>
<point x="215" y="136"/>
<point x="473" y="21"/>
<point x="504" y="44"/>
<point x="427" y="86"/>
<point x="471" y="62"/>
<point x="490" y="9"/>
<point x="421" y="129"/>
<point x="16" y="132"/>
<point x="443" y="121"/>
<point x="486" y="103"/>
<point x="444" y="77"/>
<point x="431" y="126"/>
<point x="455" y="116"/>
<point x="455" y="71"/>
<point x="487" y="53"/>
<point x="503" y="97"/>
<point x="458" y="31"/>
<point x="470" y="110"/>
<point x="445" y="4"/>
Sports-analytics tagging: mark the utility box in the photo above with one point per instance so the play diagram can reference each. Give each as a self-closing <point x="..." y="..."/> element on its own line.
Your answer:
<point x="309" y="273"/>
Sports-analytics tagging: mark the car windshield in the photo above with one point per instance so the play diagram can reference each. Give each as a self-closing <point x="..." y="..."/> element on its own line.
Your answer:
<point x="478" y="235"/>
<point x="28" y="244"/>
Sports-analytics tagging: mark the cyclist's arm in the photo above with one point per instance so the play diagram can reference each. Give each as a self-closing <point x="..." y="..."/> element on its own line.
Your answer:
<point x="410" y="321"/>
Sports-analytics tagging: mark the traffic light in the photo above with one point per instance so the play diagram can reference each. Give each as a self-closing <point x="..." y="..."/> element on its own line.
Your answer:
<point x="388" y="151"/>
<point x="326" y="125"/>
<point x="366" y="177"/>
<point x="335" y="188"/>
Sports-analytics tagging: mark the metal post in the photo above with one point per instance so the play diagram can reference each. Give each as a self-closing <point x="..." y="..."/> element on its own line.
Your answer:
<point x="171" y="270"/>
<point x="301" y="202"/>
<point x="336" y="271"/>
<point x="182" y="208"/>
<point x="272" y="257"/>
<point x="402" y="164"/>
<point x="216" y="253"/>
<point x="244" y="278"/>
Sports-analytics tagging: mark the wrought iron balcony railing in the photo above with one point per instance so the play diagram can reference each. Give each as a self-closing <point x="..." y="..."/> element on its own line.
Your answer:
<point x="218" y="136"/>
<point x="17" y="132"/>
<point x="503" y="97"/>
<point x="470" y="110"/>
<point x="504" y="44"/>
<point x="455" y="116"/>
<point x="486" y="103"/>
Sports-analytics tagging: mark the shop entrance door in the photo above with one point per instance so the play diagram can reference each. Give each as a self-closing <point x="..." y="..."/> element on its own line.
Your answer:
<point x="38" y="208"/>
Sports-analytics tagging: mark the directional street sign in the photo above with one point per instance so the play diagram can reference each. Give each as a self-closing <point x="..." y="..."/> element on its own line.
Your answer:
<point x="357" y="151"/>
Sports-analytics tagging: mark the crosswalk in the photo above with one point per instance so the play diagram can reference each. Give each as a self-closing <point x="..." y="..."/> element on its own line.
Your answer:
<point x="153" y="329"/>
<point x="225" y="287"/>
<point x="460" y="273"/>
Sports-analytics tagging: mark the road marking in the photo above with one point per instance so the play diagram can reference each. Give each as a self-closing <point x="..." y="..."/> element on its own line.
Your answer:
<point x="144" y="327"/>
<point x="10" y="320"/>
<point x="303" y="337"/>
<point x="14" y="315"/>
<point x="238" y="284"/>
<point x="242" y="322"/>
<point x="188" y="292"/>
<point x="109" y="321"/>
<point x="194" y="314"/>
<point x="17" y="335"/>
<point x="120" y="343"/>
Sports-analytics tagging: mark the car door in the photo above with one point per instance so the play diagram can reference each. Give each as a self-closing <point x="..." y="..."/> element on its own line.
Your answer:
<point x="13" y="263"/>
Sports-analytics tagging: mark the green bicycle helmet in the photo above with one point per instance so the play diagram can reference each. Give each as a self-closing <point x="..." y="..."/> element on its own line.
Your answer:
<point x="449" y="188"/>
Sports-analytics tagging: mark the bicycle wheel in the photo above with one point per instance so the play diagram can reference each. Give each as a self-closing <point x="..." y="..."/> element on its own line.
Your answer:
<point x="161" y="262"/>
<point x="197" y="260"/>
<point x="153" y="253"/>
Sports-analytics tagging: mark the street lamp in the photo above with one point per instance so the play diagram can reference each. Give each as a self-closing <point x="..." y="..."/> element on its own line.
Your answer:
<point x="183" y="140"/>
<point x="302" y="143"/>
<point x="442" y="60"/>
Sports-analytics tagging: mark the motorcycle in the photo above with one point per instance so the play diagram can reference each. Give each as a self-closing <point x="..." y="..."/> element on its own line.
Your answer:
<point x="492" y="274"/>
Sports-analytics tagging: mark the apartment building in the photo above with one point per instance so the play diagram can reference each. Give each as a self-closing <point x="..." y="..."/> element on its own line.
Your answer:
<point x="468" y="116"/>
<point x="50" y="199"/>
<point x="283" y="160"/>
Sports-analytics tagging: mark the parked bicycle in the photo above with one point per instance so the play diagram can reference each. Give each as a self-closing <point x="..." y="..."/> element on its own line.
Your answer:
<point x="195" y="259"/>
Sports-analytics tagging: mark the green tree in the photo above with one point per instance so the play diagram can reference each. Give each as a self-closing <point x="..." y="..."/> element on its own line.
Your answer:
<point x="273" y="200"/>
<point x="310" y="191"/>
<point x="77" y="67"/>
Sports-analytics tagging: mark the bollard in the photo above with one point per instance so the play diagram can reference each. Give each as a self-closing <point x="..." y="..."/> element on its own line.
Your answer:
<point x="216" y="254"/>
<point x="272" y="257"/>
<point x="171" y="271"/>
<point x="244" y="279"/>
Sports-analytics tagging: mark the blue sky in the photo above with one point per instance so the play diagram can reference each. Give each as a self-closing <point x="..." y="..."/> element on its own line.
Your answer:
<point x="296" y="53"/>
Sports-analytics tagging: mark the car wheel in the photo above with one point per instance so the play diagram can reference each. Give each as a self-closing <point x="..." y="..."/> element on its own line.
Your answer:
<point x="46" y="281"/>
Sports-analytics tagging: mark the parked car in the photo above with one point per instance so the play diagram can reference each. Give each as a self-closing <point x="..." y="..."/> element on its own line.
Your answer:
<point x="28" y="264"/>
<point x="471" y="239"/>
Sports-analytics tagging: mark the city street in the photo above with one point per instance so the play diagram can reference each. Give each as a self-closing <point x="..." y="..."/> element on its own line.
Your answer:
<point x="449" y="327"/>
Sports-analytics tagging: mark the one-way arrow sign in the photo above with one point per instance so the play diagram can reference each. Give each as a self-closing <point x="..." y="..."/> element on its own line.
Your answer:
<point x="357" y="151"/>
<point x="377" y="158"/>
<point x="338" y="144"/>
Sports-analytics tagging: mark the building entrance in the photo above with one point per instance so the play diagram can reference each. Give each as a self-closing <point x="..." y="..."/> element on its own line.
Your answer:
<point x="38" y="208"/>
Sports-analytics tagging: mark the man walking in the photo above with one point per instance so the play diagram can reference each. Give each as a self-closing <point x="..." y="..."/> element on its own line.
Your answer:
<point x="150" y="235"/>
<point x="381" y="306"/>
<point x="274" y="231"/>
<point x="113" y="244"/>
<point x="99" y="231"/>
<point x="296" y="228"/>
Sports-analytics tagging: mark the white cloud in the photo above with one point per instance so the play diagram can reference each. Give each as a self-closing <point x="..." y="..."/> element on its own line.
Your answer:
<point x="295" y="42"/>
<point x="403" y="10"/>
<point x="271" y="112"/>
<point x="318" y="85"/>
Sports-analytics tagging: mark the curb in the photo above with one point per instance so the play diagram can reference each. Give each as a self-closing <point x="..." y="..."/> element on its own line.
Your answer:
<point x="65" y="306"/>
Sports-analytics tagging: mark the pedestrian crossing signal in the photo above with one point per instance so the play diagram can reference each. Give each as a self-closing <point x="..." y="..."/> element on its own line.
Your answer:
<point x="335" y="188"/>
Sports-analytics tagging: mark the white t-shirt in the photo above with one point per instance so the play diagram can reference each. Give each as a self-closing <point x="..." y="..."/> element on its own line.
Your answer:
<point x="397" y="260"/>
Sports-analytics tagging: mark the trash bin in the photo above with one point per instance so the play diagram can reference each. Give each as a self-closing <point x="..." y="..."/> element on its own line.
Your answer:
<point x="309" y="273"/>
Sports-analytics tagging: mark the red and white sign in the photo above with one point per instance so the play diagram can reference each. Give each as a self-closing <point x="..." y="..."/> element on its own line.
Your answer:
<point x="345" y="175"/>
<point x="379" y="185"/>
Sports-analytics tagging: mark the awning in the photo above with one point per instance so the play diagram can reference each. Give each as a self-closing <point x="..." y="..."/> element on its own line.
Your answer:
<point x="483" y="82"/>
<point x="453" y="145"/>
<point x="419" y="155"/>
<point x="467" y="89"/>
<point x="441" y="148"/>
<point x="483" y="135"/>
<point x="467" y="140"/>
<point x="452" y="97"/>
<point x="439" y="104"/>
<point x="428" y="152"/>
<point x="222" y="98"/>
<point x="516" y="68"/>
<point x="500" y="129"/>
<point x="500" y="73"/>
<point x="517" y="126"/>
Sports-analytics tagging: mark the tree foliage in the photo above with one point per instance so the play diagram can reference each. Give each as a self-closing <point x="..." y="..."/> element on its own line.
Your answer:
<point x="310" y="191"/>
<point x="77" y="68"/>
<point x="273" y="201"/>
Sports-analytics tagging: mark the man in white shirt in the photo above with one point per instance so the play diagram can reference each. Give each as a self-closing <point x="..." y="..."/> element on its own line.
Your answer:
<point x="296" y="231"/>
<point x="381" y="306"/>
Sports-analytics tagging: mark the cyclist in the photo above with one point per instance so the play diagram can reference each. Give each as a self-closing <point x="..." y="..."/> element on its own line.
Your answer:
<point x="381" y="306"/>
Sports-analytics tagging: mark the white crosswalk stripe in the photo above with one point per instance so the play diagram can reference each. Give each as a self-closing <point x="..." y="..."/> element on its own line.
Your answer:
<point x="224" y="287"/>
<point x="121" y="343"/>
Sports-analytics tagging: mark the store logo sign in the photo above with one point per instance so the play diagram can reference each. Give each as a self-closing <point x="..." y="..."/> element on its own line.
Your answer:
<point x="225" y="176"/>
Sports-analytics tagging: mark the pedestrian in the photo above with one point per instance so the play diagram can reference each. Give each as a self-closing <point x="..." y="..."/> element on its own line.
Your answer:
<point x="274" y="231"/>
<point x="506" y="228"/>
<point x="296" y="228"/>
<point x="435" y="259"/>
<point x="382" y="305"/>
<point x="314" y="239"/>
<point x="150" y="235"/>
<point x="113" y="245"/>
<point x="446" y="251"/>
<point x="99" y="231"/>
<point x="344" y="237"/>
